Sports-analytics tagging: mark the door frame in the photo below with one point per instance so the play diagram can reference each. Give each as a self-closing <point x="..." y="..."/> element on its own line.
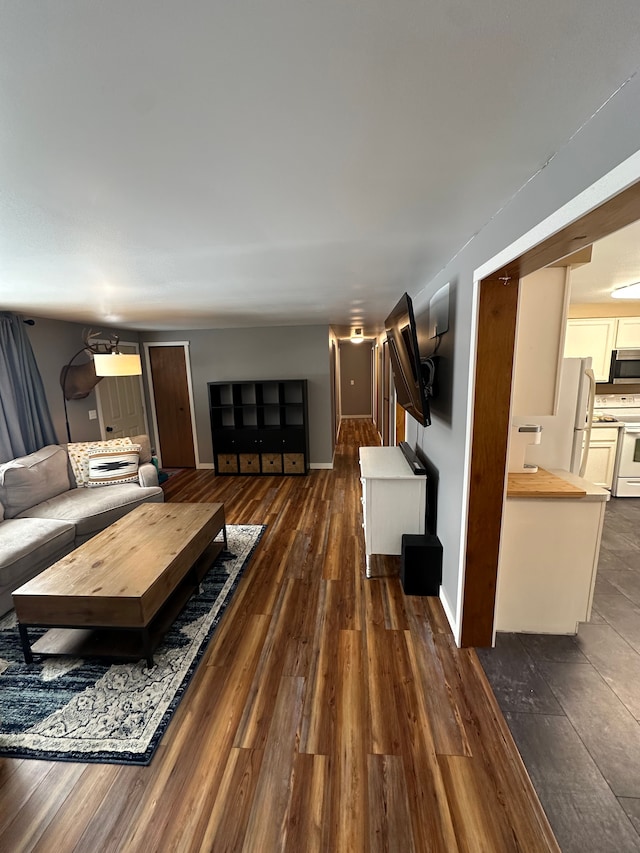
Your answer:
<point x="605" y="207"/>
<point x="187" y="361"/>
<point x="386" y="393"/>
<point x="136" y="346"/>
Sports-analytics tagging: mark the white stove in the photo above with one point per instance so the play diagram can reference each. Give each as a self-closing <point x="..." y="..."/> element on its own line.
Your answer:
<point x="626" y="409"/>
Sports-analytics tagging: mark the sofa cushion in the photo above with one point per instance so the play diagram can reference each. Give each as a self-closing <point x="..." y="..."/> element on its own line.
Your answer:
<point x="29" y="544"/>
<point x="32" y="479"/>
<point x="109" y="466"/>
<point x="91" y="510"/>
<point x="145" y="447"/>
<point x="78" y="452"/>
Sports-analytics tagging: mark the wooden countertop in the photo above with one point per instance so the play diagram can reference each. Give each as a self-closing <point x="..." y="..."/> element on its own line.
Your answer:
<point x="541" y="484"/>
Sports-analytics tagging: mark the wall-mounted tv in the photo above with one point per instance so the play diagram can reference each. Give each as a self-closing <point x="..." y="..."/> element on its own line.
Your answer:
<point x="409" y="373"/>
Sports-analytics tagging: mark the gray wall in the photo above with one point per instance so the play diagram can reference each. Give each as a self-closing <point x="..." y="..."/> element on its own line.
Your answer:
<point x="611" y="136"/>
<point x="355" y="367"/>
<point x="54" y="343"/>
<point x="280" y="352"/>
<point x="289" y="352"/>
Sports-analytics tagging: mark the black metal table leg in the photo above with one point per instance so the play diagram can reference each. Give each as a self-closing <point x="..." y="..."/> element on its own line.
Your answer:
<point x="146" y="645"/>
<point x="26" y="645"/>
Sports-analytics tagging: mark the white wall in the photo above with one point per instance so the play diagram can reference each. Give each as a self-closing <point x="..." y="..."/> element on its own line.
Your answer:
<point x="608" y="139"/>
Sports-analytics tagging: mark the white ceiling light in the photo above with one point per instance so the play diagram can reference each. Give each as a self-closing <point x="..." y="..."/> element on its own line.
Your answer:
<point x="629" y="291"/>
<point x="356" y="337"/>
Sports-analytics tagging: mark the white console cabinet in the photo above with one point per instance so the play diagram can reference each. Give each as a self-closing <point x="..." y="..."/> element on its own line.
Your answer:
<point x="393" y="500"/>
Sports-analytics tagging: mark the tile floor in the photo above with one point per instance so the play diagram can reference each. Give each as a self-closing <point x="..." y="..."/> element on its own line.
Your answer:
<point x="573" y="703"/>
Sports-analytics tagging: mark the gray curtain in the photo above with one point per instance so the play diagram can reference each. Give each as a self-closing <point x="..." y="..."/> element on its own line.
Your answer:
<point x="25" y="421"/>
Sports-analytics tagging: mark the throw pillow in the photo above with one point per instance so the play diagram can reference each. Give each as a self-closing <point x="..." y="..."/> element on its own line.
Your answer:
<point x="109" y="466"/>
<point x="79" y="456"/>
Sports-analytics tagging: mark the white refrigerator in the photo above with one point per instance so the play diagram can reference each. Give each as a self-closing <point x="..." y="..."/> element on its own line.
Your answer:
<point x="564" y="442"/>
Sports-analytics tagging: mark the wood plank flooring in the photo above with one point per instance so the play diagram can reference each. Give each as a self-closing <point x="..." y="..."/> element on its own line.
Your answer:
<point x="330" y="712"/>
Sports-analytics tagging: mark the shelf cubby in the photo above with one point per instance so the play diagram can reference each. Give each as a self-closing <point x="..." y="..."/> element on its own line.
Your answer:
<point x="260" y="427"/>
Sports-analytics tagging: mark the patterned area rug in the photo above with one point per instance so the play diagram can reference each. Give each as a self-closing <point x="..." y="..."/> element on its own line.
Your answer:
<point x="66" y="709"/>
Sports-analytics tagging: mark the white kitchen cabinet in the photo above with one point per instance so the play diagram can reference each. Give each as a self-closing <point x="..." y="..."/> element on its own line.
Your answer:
<point x="593" y="337"/>
<point x="600" y="463"/>
<point x="628" y="332"/>
<point x="549" y="550"/>
<point x="393" y="500"/>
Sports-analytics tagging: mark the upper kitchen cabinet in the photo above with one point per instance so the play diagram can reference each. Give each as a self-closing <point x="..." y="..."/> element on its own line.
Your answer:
<point x="595" y="338"/>
<point x="628" y="332"/>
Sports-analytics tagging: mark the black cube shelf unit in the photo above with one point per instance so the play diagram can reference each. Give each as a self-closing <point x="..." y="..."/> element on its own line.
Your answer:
<point x="260" y="427"/>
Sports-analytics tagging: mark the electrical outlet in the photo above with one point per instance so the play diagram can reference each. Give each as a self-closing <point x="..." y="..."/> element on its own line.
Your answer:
<point x="93" y="415"/>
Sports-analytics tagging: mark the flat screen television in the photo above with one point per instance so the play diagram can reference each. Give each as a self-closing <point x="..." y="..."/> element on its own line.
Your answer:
<point x="408" y="374"/>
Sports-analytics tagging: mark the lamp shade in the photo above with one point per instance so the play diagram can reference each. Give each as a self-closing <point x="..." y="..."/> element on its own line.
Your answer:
<point x="117" y="364"/>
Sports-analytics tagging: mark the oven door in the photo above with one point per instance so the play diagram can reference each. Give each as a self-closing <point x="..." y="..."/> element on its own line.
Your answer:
<point x="625" y="367"/>
<point x="627" y="479"/>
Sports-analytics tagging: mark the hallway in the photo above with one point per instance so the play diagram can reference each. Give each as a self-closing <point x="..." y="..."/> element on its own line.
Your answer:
<point x="573" y="703"/>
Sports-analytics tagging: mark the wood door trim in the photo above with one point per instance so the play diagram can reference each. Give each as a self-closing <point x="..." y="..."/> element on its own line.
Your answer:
<point x="497" y="305"/>
<point x="185" y="345"/>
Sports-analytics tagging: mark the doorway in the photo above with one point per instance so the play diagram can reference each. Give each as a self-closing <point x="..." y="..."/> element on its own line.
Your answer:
<point x="495" y="344"/>
<point x="120" y="403"/>
<point x="356" y="379"/>
<point x="169" y="373"/>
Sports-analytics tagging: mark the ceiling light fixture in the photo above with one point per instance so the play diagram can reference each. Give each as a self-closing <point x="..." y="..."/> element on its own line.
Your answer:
<point x="629" y="291"/>
<point x="78" y="380"/>
<point x="356" y="337"/>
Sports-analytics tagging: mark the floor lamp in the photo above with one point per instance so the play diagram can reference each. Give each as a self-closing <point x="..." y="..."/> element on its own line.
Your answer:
<point x="78" y="380"/>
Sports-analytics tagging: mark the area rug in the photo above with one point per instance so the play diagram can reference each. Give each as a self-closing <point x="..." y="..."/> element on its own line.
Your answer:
<point x="67" y="709"/>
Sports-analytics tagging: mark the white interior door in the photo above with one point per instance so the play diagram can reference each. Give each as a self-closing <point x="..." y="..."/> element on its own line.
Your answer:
<point x="121" y="404"/>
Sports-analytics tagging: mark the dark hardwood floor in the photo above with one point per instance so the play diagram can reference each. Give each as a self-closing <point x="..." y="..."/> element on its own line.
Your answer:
<point x="330" y="712"/>
<point x="573" y="703"/>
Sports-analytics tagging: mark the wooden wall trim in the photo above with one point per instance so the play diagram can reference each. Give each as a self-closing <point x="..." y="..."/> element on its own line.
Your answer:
<point x="619" y="211"/>
<point x="498" y="304"/>
<point x="497" y="312"/>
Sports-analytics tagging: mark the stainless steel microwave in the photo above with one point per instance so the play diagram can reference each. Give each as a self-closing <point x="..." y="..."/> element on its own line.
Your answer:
<point x="625" y="367"/>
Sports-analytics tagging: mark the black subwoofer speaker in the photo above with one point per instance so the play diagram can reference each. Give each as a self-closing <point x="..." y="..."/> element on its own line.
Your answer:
<point x="421" y="564"/>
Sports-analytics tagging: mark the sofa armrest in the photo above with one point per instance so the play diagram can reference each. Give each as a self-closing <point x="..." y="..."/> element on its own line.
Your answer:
<point x="148" y="474"/>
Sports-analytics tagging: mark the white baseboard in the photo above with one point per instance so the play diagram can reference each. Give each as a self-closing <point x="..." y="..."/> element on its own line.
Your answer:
<point x="350" y="417"/>
<point x="205" y="466"/>
<point x="450" y="614"/>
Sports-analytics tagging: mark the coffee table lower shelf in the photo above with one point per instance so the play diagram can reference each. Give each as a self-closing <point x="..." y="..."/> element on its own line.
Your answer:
<point x="115" y="642"/>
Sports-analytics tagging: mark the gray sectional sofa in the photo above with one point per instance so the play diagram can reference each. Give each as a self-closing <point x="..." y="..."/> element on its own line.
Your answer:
<point x="45" y="515"/>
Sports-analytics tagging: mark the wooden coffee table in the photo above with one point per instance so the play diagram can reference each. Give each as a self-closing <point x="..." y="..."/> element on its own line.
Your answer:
<point x="117" y="594"/>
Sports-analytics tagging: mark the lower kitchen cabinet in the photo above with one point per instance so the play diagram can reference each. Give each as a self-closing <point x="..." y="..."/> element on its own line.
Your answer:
<point x="549" y="551"/>
<point x="602" y="456"/>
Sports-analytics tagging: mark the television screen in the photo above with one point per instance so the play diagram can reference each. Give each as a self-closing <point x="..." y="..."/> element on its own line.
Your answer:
<point x="405" y="361"/>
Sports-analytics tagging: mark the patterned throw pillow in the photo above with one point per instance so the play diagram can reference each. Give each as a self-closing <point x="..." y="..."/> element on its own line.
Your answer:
<point x="79" y="456"/>
<point x="113" y="465"/>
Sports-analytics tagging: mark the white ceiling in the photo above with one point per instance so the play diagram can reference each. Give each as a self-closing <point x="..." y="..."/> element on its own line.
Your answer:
<point x="170" y="164"/>
<point x="615" y="262"/>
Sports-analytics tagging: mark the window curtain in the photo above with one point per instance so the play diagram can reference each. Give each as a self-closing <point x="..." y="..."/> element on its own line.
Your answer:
<point x="25" y="420"/>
